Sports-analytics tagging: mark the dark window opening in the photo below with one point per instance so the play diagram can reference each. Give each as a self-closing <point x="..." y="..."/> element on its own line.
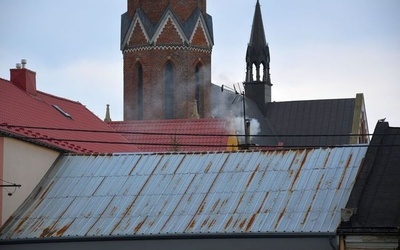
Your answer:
<point x="198" y="80"/>
<point x="169" y="91"/>
<point x="140" y="91"/>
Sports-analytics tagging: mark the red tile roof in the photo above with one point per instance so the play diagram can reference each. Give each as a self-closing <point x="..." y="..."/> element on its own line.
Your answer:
<point x="20" y="109"/>
<point x="178" y="135"/>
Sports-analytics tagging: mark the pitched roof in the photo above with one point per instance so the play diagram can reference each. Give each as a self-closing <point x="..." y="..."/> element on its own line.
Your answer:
<point x="313" y="117"/>
<point x="178" y="135"/>
<point x="297" y="191"/>
<point x="376" y="193"/>
<point x="21" y="112"/>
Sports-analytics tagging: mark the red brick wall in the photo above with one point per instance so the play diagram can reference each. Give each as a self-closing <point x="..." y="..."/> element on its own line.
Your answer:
<point x="153" y="58"/>
<point x="153" y="63"/>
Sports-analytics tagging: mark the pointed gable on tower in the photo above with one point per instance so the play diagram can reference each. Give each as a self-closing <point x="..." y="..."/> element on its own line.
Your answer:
<point x="169" y="31"/>
<point x="138" y="35"/>
<point x="199" y="38"/>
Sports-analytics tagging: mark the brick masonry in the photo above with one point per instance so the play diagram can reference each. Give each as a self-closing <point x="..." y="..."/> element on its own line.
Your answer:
<point x="153" y="53"/>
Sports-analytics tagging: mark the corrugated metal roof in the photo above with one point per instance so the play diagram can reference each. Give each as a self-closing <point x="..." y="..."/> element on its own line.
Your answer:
<point x="227" y="192"/>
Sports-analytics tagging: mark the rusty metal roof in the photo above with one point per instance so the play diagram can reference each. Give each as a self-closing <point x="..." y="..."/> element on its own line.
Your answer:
<point x="201" y="193"/>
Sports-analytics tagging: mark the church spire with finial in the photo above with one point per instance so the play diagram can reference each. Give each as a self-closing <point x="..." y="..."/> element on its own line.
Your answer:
<point x="108" y="116"/>
<point x="258" y="82"/>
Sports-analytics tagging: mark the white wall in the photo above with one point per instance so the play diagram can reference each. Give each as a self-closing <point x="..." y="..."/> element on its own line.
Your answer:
<point x="25" y="164"/>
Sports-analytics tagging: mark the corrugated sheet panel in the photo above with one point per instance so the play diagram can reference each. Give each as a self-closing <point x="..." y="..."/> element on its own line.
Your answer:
<point x="150" y="194"/>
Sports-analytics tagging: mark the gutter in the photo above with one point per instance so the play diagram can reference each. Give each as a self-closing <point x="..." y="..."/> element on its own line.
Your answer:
<point x="371" y="231"/>
<point x="75" y="239"/>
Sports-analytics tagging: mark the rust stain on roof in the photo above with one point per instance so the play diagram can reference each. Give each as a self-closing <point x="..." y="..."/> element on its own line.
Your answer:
<point x="280" y="217"/>
<point x="47" y="232"/>
<point x="242" y="223"/>
<point x="139" y="225"/>
<point x="208" y="167"/>
<point x="22" y="222"/>
<point x="215" y="205"/>
<point x="263" y="202"/>
<point x="192" y="224"/>
<point x="344" y="172"/>
<point x="251" y="222"/>
<point x="228" y="222"/>
<point x="252" y="176"/>
<point x="46" y="191"/>
<point x="64" y="229"/>
<point x="299" y="171"/>
<point x="306" y="216"/>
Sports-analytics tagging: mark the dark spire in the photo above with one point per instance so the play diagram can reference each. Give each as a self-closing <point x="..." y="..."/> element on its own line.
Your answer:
<point x="258" y="81"/>
<point x="257" y="50"/>
<point x="257" y="38"/>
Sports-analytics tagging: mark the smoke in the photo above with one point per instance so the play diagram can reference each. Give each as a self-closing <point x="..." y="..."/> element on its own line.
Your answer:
<point x="239" y="127"/>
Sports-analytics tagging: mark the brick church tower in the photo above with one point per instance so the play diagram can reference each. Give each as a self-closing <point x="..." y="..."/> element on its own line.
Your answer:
<point x="166" y="45"/>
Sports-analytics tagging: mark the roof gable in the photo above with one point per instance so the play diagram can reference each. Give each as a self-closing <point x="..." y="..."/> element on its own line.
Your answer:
<point x="175" y="194"/>
<point x="55" y="122"/>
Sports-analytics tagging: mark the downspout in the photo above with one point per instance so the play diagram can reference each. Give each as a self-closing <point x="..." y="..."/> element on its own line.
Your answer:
<point x="398" y="234"/>
<point x="342" y="245"/>
<point x="247" y="133"/>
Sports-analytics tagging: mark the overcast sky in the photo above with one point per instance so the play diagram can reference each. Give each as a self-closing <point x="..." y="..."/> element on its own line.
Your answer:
<point x="320" y="49"/>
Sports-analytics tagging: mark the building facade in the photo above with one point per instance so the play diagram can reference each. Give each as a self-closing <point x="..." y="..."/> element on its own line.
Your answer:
<point x="166" y="47"/>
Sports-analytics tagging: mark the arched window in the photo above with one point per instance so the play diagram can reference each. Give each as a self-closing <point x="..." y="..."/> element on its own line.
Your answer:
<point x="198" y="81"/>
<point x="169" y="90"/>
<point x="254" y="73"/>
<point x="140" y="91"/>
<point x="262" y="72"/>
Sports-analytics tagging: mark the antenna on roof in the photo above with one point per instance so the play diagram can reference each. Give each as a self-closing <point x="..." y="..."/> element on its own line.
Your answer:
<point x="18" y="66"/>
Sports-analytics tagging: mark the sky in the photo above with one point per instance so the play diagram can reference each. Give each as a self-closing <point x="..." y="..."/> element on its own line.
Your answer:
<point x="319" y="49"/>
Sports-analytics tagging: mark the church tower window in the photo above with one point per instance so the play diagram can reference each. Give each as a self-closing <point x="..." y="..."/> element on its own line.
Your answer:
<point x="139" y="70"/>
<point x="262" y="73"/>
<point x="198" y="84"/>
<point x="169" y="90"/>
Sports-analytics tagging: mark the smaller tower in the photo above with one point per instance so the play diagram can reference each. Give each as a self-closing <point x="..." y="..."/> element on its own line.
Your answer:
<point x="258" y="81"/>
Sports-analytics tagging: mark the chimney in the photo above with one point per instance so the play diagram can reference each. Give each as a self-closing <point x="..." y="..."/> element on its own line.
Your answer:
<point x="24" y="78"/>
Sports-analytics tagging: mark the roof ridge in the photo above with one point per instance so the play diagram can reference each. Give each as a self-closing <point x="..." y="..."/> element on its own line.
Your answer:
<point x="313" y="100"/>
<point x="168" y="121"/>
<point x="60" y="98"/>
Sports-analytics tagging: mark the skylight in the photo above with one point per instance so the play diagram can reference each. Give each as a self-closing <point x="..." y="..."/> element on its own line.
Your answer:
<point x="62" y="111"/>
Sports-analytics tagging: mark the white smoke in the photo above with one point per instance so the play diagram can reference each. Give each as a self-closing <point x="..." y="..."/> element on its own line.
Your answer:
<point x="239" y="127"/>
